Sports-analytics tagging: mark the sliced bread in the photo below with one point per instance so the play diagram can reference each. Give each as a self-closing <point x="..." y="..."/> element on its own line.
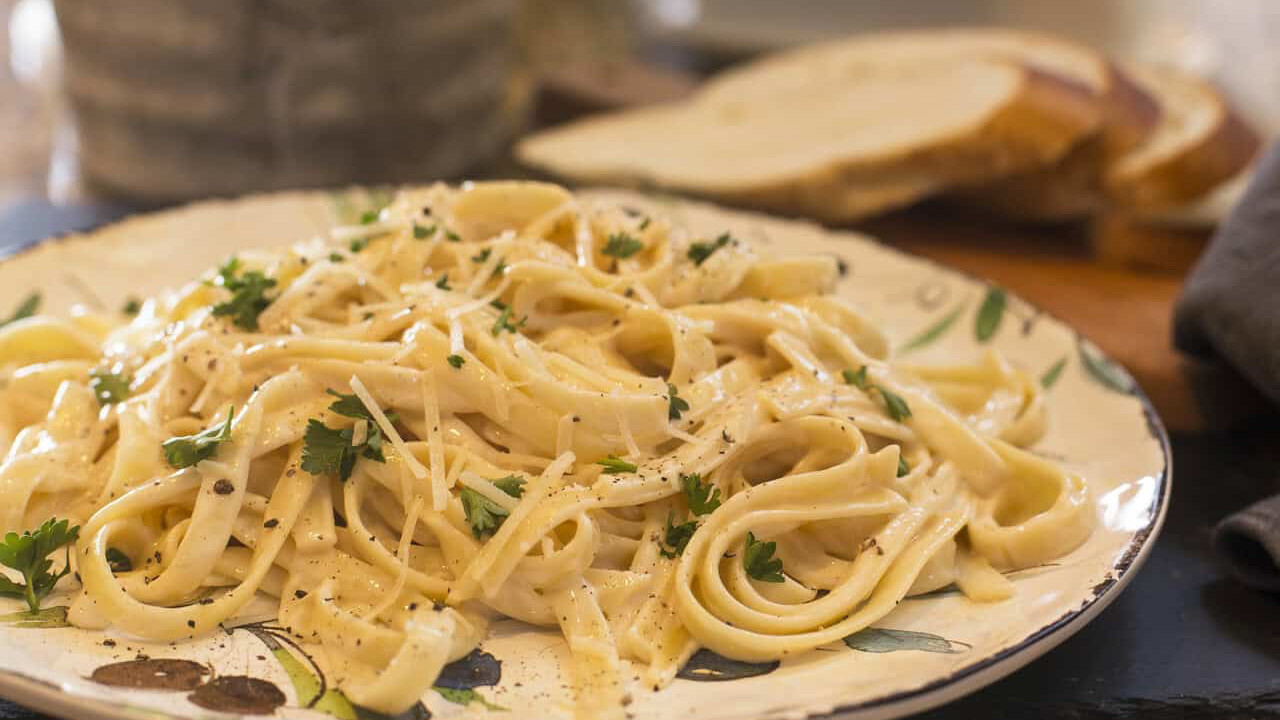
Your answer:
<point x="836" y="133"/>
<point x="1199" y="143"/>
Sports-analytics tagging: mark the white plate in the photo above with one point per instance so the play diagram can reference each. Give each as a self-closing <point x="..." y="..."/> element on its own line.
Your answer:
<point x="931" y="649"/>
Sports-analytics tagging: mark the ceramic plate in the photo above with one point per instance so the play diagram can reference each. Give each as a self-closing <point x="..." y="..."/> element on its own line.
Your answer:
<point x="931" y="649"/>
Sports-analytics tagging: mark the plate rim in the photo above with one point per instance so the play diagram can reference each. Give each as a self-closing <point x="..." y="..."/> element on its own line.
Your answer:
<point x="47" y="698"/>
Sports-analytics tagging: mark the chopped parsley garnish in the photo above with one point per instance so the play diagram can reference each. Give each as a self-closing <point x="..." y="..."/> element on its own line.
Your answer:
<point x="337" y="257"/>
<point x="358" y="244"/>
<point x="676" y="537"/>
<point x="348" y="405"/>
<point x="456" y="361"/>
<point x="451" y="236"/>
<point x="759" y="561"/>
<point x="248" y="295"/>
<point x="512" y="485"/>
<point x="443" y="282"/>
<point x="422" y="233"/>
<point x="897" y="407"/>
<point x="118" y="561"/>
<point x="187" y="450"/>
<point x="109" y="387"/>
<point x="25" y="309"/>
<point x="903" y="468"/>
<point x="703" y="499"/>
<point x="622" y="246"/>
<point x="369" y="217"/>
<point x="613" y="465"/>
<point x="500" y="268"/>
<point x="484" y="515"/>
<point x="331" y="451"/>
<point x="644" y="225"/>
<point x="699" y="252"/>
<point x="504" y="322"/>
<point x="894" y="404"/>
<point x="328" y="451"/>
<point x="675" y="404"/>
<point x="482" y="256"/>
<point x="132" y="306"/>
<point x="28" y="553"/>
<point x="857" y="379"/>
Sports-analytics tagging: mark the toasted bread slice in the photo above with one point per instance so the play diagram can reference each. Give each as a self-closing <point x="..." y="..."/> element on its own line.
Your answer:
<point x="1199" y="143"/>
<point x="834" y="135"/>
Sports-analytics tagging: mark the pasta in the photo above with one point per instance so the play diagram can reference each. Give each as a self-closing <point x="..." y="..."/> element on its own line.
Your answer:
<point x="500" y="400"/>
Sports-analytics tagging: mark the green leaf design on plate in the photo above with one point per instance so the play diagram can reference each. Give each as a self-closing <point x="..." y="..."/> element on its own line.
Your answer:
<point x="990" y="313"/>
<point x="1051" y="375"/>
<point x="45" y="618"/>
<point x="308" y="683"/>
<point x="931" y="334"/>
<point x="708" y="666"/>
<point x="885" y="640"/>
<point x="465" y="697"/>
<point x="1105" y="372"/>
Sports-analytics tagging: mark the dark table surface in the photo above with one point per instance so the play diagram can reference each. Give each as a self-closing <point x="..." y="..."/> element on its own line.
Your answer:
<point x="1182" y="641"/>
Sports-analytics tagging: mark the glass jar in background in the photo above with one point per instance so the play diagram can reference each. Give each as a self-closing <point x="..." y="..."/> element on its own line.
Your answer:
<point x="179" y="99"/>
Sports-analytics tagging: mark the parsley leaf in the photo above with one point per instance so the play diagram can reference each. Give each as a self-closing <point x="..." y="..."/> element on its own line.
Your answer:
<point x="894" y="403"/>
<point x="132" y="306"/>
<point x="451" y="236"/>
<point x="25" y="309"/>
<point x="512" y="485"/>
<point x="483" y="515"/>
<point x="614" y="465"/>
<point x="422" y="233"/>
<point x="456" y="361"/>
<point x="109" y="387"/>
<point x="443" y="282"/>
<point x="759" y="561"/>
<point x="348" y="405"/>
<point x="903" y="468"/>
<point x="358" y="244"/>
<point x="28" y="553"/>
<point x="703" y="499"/>
<point x="482" y="256"/>
<point x="699" y="252"/>
<point x="118" y="561"/>
<point x="248" y="295"/>
<point x="369" y="217"/>
<point x="675" y="403"/>
<point x="336" y="257"/>
<point x="622" y="245"/>
<point x="504" y="322"/>
<point x="331" y="451"/>
<point x="187" y="450"/>
<point x="676" y="538"/>
<point x="857" y="379"/>
<point x="327" y="451"/>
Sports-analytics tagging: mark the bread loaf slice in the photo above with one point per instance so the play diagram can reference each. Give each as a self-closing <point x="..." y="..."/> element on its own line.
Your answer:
<point x="835" y="132"/>
<point x="1199" y="143"/>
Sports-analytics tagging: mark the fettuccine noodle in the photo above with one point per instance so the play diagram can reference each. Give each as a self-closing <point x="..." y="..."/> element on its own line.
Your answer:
<point x="571" y="414"/>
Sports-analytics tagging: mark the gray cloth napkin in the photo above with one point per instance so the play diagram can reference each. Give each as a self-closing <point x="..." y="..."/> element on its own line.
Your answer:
<point x="1230" y="309"/>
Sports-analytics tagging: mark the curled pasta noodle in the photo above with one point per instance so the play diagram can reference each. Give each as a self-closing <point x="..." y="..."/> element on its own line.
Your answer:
<point x="504" y="401"/>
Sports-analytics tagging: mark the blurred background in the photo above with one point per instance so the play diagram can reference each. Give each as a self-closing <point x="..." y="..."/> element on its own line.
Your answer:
<point x="155" y="101"/>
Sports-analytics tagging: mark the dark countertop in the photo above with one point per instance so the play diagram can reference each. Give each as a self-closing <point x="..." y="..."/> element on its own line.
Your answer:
<point x="1182" y="641"/>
